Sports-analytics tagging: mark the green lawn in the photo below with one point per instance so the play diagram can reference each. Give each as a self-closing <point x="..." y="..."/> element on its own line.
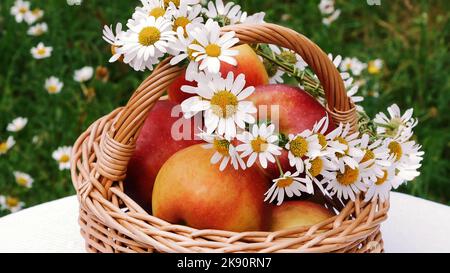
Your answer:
<point x="412" y="37"/>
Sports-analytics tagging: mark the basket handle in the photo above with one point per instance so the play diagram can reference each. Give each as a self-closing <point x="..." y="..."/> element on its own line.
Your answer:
<point x="126" y="128"/>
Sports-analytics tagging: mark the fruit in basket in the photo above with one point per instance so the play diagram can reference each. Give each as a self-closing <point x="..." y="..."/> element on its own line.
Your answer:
<point x="190" y="190"/>
<point x="248" y="64"/>
<point x="154" y="146"/>
<point x="297" y="111"/>
<point x="293" y="214"/>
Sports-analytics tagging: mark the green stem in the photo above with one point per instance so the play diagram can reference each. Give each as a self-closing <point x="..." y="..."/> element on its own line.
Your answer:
<point x="279" y="166"/>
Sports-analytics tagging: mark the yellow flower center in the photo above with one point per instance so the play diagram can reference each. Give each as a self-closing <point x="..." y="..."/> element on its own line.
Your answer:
<point x="191" y="52"/>
<point x="373" y="68"/>
<point x="213" y="50"/>
<point x="316" y="167"/>
<point x="3" y="147"/>
<point x="149" y="36"/>
<point x="175" y="2"/>
<point x="369" y="155"/>
<point x="380" y="181"/>
<point x="23" y="10"/>
<point x="342" y="141"/>
<point x="222" y="146"/>
<point x="393" y="126"/>
<point x="64" y="159"/>
<point x="157" y="12"/>
<point x="224" y="104"/>
<point x="322" y="140"/>
<point x="12" y="202"/>
<point x="285" y="182"/>
<point x="288" y="56"/>
<point x="22" y="181"/>
<point x="395" y="149"/>
<point x="349" y="177"/>
<point x="41" y="51"/>
<point x="36" y="12"/>
<point x="181" y="22"/>
<point x="299" y="147"/>
<point x="259" y="145"/>
<point x="52" y="89"/>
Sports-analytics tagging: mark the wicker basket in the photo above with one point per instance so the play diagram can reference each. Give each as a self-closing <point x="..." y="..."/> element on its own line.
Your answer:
<point x="110" y="221"/>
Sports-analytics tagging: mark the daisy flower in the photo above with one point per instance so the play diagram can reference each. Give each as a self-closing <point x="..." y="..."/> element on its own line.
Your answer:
<point x="289" y="184"/>
<point x="33" y="16"/>
<point x="182" y="50"/>
<point x="331" y="18"/>
<point x="225" y="152"/>
<point x="186" y="15"/>
<point x="350" y="180"/>
<point x="145" y="42"/>
<point x="396" y="124"/>
<point x="329" y="144"/>
<point x="351" y="94"/>
<point x="7" y="145"/>
<point x="337" y="60"/>
<point x="326" y="7"/>
<point x="53" y="85"/>
<point x="17" y="124"/>
<point x="382" y="186"/>
<point x="178" y="3"/>
<point x="302" y="145"/>
<point x="228" y="14"/>
<point x="38" y="29"/>
<point x="109" y="36"/>
<point x="62" y="156"/>
<point x="213" y="47"/>
<point x="407" y="156"/>
<point x="84" y="74"/>
<point x="277" y="77"/>
<point x="353" y="65"/>
<point x="19" y="9"/>
<point x="23" y="179"/>
<point x="319" y="170"/>
<point x="41" y="51"/>
<point x="377" y="152"/>
<point x="351" y="141"/>
<point x="259" y="144"/>
<point x="375" y="66"/>
<point x="223" y="103"/>
<point x="257" y="18"/>
<point x="151" y="8"/>
<point x="11" y="203"/>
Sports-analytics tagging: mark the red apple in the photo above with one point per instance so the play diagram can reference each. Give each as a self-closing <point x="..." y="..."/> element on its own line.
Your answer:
<point x="248" y="64"/>
<point x="291" y="109"/>
<point x="190" y="190"/>
<point x="154" y="146"/>
<point x="293" y="214"/>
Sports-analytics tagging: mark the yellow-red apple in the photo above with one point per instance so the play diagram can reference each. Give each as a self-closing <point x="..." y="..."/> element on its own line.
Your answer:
<point x="248" y="63"/>
<point x="155" y="144"/>
<point x="293" y="214"/>
<point x="190" y="190"/>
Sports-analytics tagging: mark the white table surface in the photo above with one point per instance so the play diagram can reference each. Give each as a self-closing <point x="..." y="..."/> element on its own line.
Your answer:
<point x="414" y="225"/>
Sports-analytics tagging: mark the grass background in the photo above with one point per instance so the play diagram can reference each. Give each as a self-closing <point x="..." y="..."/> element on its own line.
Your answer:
<point x="412" y="37"/>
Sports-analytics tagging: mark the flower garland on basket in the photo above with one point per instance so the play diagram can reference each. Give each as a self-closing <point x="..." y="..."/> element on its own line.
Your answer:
<point x="379" y="157"/>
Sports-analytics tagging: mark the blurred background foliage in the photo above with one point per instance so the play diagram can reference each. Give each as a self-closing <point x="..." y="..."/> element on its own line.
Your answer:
<point x="412" y="37"/>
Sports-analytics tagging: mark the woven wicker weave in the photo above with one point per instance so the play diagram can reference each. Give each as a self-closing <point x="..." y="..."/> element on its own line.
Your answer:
<point x="111" y="222"/>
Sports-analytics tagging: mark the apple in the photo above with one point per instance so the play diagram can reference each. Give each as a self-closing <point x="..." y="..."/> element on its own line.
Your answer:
<point x="154" y="146"/>
<point x="293" y="214"/>
<point x="190" y="190"/>
<point x="248" y="63"/>
<point x="292" y="110"/>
